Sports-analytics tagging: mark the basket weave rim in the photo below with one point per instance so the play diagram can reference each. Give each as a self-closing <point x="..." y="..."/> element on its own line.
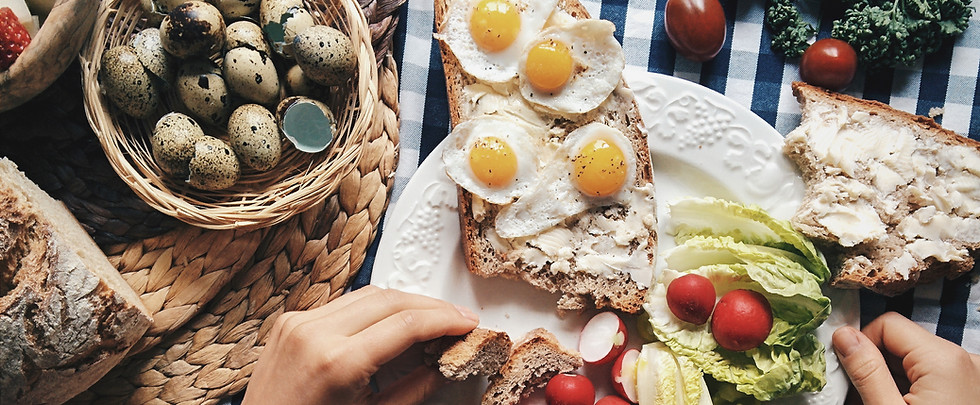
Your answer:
<point x="241" y="210"/>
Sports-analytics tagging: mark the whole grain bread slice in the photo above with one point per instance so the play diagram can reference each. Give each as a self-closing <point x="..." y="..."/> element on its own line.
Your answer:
<point x="534" y="361"/>
<point x="483" y="253"/>
<point x="892" y="196"/>
<point x="479" y="352"/>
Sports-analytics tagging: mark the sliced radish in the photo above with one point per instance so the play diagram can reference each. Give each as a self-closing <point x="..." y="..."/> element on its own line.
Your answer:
<point x="624" y="374"/>
<point x="603" y="338"/>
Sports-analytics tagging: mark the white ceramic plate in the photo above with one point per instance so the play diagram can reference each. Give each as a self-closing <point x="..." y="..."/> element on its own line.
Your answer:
<point x="702" y="144"/>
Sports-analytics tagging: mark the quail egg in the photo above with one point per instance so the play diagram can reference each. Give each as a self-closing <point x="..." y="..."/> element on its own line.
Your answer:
<point x="325" y="54"/>
<point x="254" y="136"/>
<point x="232" y="9"/>
<point x="245" y="33"/>
<point x="152" y="55"/>
<point x="251" y="75"/>
<point x="173" y="141"/>
<point x="127" y="83"/>
<point x="281" y="20"/>
<point x="191" y="29"/>
<point x="203" y="91"/>
<point x="297" y="84"/>
<point x="214" y="165"/>
<point x="307" y="123"/>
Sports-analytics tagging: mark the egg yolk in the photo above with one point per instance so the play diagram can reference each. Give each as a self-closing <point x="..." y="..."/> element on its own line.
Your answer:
<point x="600" y="169"/>
<point x="549" y="65"/>
<point x="493" y="162"/>
<point x="494" y="24"/>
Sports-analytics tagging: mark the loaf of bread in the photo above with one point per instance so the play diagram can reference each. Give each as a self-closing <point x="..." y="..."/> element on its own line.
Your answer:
<point x="534" y="360"/>
<point x="489" y="255"/>
<point x="479" y="352"/>
<point x="894" y="197"/>
<point x="66" y="315"/>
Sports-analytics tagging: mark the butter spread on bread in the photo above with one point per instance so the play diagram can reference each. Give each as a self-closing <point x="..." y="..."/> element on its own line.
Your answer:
<point x="896" y="196"/>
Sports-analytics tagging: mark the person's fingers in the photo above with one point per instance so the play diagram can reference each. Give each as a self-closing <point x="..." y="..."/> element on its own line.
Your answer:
<point x="288" y="321"/>
<point x="413" y="388"/>
<point x="899" y="335"/>
<point x="381" y="342"/>
<point x="866" y="367"/>
<point x="375" y="308"/>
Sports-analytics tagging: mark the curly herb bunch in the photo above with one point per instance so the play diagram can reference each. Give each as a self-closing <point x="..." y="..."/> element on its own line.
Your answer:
<point x="889" y="33"/>
<point x="789" y="32"/>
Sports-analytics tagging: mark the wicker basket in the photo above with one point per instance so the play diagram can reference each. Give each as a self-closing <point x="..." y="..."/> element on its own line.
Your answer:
<point x="259" y="199"/>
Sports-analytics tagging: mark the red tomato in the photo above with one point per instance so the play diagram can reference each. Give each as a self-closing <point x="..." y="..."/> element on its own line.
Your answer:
<point x="569" y="389"/>
<point x="690" y="298"/>
<point x="829" y="63"/>
<point x="611" y="400"/>
<point x="742" y="320"/>
<point x="696" y="28"/>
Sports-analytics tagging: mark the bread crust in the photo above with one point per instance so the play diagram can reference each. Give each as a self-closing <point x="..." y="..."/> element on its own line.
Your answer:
<point x="579" y="289"/>
<point x="536" y="358"/>
<point x="479" y="352"/>
<point x="864" y="265"/>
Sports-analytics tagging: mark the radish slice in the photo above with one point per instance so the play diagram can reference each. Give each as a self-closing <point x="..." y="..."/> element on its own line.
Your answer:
<point x="603" y="338"/>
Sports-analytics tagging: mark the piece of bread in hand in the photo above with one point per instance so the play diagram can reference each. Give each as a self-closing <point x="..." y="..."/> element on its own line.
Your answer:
<point x="479" y="352"/>
<point x="894" y="197"/>
<point x="66" y="314"/>
<point x="534" y="360"/>
<point x="489" y="255"/>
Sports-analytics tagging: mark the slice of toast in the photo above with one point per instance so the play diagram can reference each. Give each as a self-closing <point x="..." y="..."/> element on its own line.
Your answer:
<point x="480" y="352"/>
<point x="894" y="197"/>
<point x="534" y="360"/>
<point x="488" y="255"/>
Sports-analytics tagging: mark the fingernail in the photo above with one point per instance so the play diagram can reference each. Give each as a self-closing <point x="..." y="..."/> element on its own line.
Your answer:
<point x="467" y="313"/>
<point x="846" y="341"/>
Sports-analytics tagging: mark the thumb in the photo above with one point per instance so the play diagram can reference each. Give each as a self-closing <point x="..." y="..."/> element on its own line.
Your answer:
<point x="866" y="367"/>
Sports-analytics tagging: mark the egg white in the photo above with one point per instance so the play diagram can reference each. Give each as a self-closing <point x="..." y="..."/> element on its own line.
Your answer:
<point x="555" y="197"/>
<point x="598" y="66"/>
<point x="499" y="66"/>
<point x="465" y="135"/>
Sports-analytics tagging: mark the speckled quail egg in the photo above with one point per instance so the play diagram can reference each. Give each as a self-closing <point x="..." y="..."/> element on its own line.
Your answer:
<point x="307" y="123"/>
<point x="254" y="136"/>
<point x="173" y="141"/>
<point x="245" y="33"/>
<point x="281" y="20"/>
<point x="214" y="165"/>
<point x="152" y="55"/>
<point x="232" y="9"/>
<point x="297" y="84"/>
<point x="325" y="54"/>
<point x="203" y="91"/>
<point x="251" y="75"/>
<point x="194" y="28"/>
<point x="127" y="83"/>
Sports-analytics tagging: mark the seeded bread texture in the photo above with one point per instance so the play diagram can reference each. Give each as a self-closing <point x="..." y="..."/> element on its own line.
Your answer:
<point x="867" y="264"/>
<point x="536" y="358"/>
<point x="579" y="289"/>
<point x="479" y="352"/>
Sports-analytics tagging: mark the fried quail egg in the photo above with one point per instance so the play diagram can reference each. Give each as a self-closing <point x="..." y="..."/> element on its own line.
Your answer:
<point x="493" y="158"/>
<point x="488" y="36"/>
<point x="595" y="166"/>
<point x="572" y="68"/>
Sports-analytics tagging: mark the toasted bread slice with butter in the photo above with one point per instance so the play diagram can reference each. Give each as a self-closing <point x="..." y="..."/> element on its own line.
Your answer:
<point x="489" y="255"/>
<point x="895" y="196"/>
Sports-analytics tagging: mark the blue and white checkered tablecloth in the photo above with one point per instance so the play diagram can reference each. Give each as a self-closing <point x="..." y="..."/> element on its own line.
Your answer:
<point x="747" y="71"/>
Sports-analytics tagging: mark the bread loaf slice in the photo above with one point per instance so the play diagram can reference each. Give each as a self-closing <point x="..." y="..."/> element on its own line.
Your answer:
<point x="534" y="360"/>
<point x="488" y="255"/>
<point x="480" y="352"/>
<point x="66" y="315"/>
<point x="894" y="197"/>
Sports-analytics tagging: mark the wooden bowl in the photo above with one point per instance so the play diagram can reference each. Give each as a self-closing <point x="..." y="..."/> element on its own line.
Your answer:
<point x="52" y="49"/>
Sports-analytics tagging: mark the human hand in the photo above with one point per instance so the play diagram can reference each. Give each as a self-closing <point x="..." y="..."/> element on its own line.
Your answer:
<point x="939" y="371"/>
<point x="327" y="355"/>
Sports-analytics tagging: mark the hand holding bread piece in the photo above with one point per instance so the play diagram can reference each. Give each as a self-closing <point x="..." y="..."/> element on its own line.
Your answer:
<point x="894" y="197"/>
<point x="480" y="352"/>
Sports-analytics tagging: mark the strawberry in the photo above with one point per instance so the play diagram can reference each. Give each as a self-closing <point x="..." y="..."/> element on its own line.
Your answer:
<point x="13" y="38"/>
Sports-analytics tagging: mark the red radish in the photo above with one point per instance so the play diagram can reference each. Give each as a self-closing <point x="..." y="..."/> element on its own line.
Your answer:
<point x="691" y="297"/>
<point x="611" y="400"/>
<point x="624" y="374"/>
<point x="603" y="338"/>
<point x="569" y="389"/>
<point x="742" y="320"/>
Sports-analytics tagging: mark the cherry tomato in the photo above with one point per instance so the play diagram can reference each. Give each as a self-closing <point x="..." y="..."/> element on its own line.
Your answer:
<point x="742" y="320"/>
<point x="569" y="389"/>
<point x="696" y="28"/>
<point x="611" y="400"/>
<point x="691" y="298"/>
<point x="829" y="63"/>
